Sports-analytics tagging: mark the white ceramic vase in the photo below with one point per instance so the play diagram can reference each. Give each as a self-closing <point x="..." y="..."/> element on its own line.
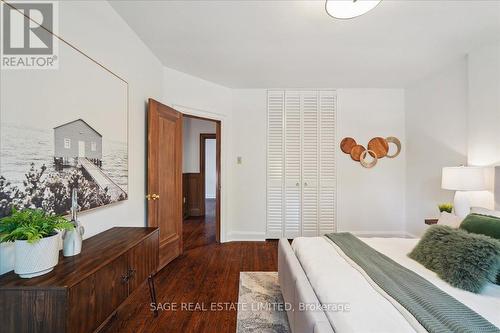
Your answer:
<point x="38" y="258"/>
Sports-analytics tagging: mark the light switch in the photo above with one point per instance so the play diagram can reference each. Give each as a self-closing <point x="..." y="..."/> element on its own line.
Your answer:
<point x="238" y="160"/>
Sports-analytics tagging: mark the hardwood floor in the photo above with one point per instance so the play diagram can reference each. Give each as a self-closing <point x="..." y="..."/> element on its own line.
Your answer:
<point x="205" y="275"/>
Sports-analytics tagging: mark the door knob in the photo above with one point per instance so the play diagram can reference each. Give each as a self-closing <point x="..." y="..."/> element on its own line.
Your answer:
<point x="125" y="278"/>
<point x="153" y="196"/>
<point x="131" y="272"/>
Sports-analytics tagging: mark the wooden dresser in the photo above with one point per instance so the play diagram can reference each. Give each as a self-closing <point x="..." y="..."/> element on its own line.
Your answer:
<point x="82" y="292"/>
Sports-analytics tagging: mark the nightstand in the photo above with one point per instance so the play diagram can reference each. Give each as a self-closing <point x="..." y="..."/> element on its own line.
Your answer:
<point x="431" y="221"/>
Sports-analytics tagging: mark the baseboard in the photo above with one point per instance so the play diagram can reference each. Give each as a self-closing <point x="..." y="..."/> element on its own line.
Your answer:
<point x="242" y="236"/>
<point x="401" y="234"/>
<point x="245" y="236"/>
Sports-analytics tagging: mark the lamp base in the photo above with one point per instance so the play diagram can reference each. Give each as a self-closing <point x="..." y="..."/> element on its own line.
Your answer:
<point x="461" y="204"/>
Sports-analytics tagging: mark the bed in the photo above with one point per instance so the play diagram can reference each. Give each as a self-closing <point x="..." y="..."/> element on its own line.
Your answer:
<point x="329" y="293"/>
<point x="314" y="273"/>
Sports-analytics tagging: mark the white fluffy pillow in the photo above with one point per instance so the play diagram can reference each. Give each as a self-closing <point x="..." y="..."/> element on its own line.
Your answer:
<point x="485" y="211"/>
<point x="450" y="220"/>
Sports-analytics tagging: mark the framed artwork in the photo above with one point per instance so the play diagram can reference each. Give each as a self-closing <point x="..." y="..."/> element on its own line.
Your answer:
<point x="61" y="129"/>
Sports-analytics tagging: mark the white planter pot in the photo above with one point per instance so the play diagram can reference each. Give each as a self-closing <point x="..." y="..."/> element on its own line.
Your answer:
<point x="34" y="259"/>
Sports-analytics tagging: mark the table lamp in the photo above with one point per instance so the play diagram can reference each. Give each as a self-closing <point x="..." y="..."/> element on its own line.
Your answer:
<point x="461" y="179"/>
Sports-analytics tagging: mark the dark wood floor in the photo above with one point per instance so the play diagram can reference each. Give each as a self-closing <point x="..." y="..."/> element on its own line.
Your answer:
<point x="207" y="273"/>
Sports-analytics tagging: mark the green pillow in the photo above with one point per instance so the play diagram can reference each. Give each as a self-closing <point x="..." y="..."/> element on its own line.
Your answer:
<point x="465" y="260"/>
<point x="482" y="224"/>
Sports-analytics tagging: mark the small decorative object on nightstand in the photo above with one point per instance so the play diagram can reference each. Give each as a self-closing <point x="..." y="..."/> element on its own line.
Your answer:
<point x="446" y="207"/>
<point x="431" y="221"/>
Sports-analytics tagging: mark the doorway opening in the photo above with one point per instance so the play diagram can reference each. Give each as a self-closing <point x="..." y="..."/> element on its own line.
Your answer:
<point x="201" y="181"/>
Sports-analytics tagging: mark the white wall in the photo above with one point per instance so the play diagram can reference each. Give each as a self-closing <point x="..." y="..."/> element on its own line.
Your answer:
<point x="210" y="168"/>
<point x="436" y="136"/>
<point x="371" y="201"/>
<point x="192" y="128"/>
<point x="95" y="28"/>
<point x="484" y="106"/>
<point x="484" y="115"/>
<point x="248" y="179"/>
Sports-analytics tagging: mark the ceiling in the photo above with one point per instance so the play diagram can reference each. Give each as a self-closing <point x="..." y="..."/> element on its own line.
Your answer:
<point x="285" y="44"/>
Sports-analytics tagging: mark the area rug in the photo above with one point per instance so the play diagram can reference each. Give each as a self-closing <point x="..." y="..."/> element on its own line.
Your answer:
<point x="260" y="304"/>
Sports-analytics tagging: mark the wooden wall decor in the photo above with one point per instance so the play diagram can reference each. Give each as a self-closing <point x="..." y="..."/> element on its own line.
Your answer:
<point x="356" y="152"/>
<point x="377" y="148"/>
<point x="347" y="144"/>
<point x="395" y="141"/>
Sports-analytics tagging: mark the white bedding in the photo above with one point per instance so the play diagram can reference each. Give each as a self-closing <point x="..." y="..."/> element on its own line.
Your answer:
<point x="335" y="280"/>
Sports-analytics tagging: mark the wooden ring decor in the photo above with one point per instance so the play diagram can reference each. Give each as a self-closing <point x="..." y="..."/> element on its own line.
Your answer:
<point x="356" y="152"/>
<point x="363" y="160"/>
<point x="347" y="144"/>
<point x="377" y="148"/>
<point x="395" y="141"/>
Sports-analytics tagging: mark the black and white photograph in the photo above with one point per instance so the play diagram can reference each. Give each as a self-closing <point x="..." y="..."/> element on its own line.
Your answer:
<point x="56" y="136"/>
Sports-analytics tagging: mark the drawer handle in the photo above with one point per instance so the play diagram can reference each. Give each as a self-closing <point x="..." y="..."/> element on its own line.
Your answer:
<point x="131" y="273"/>
<point x="125" y="278"/>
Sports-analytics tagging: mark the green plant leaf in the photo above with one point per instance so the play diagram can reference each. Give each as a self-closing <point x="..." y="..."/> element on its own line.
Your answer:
<point x="31" y="225"/>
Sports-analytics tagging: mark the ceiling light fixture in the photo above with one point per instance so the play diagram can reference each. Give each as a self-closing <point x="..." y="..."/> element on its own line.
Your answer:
<point x="347" y="9"/>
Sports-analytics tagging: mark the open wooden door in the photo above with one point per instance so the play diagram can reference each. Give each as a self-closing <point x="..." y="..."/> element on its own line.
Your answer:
<point x="165" y="178"/>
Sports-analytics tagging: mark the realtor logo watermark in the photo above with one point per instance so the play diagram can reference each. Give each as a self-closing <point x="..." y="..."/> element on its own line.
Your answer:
<point x="28" y="32"/>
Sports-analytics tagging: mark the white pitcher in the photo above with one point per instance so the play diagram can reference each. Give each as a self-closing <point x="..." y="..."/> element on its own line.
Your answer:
<point x="72" y="239"/>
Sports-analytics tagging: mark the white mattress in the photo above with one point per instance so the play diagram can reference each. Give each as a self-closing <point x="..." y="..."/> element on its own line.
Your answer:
<point x="335" y="280"/>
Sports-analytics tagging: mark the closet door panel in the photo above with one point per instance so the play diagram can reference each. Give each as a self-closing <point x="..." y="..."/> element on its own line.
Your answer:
<point x="292" y="137"/>
<point x="275" y="161"/>
<point x="327" y="176"/>
<point x="310" y="159"/>
<point x="301" y="179"/>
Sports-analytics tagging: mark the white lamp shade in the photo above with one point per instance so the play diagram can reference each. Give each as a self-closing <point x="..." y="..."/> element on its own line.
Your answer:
<point x="463" y="179"/>
<point x="346" y="9"/>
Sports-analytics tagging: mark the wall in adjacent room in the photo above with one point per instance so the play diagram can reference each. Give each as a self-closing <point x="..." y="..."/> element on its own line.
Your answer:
<point x="436" y="136"/>
<point x="370" y="201"/>
<point x="210" y="168"/>
<point x="191" y="130"/>
<point x="96" y="29"/>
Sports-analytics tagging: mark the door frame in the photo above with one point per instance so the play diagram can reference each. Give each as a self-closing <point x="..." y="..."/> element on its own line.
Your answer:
<point x="218" y="199"/>
<point x="203" y="138"/>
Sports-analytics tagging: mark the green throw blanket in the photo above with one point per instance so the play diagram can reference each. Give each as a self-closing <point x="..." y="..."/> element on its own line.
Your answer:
<point x="434" y="309"/>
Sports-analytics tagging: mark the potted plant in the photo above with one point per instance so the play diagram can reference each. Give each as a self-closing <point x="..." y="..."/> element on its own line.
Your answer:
<point x="36" y="239"/>
<point x="446" y="207"/>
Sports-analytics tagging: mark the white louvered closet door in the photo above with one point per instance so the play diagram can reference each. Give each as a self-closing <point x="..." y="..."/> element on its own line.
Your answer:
<point x="327" y="176"/>
<point x="300" y="163"/>
<point x="275" y="163"/>
<point x="310" y="160"/>
<point x="292" y="135"/>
